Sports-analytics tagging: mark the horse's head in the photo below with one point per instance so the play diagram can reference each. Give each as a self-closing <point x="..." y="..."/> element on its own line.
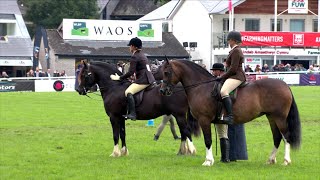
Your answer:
<point x="157" y="72"/>
<point x="86" y="80"/>
<point x="169" y="78"/>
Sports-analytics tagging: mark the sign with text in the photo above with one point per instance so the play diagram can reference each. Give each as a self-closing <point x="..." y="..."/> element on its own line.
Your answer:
<point x="253" y="62"/>
<point x="298" y="6"/>
<point x="111" y="30"/>
<point x="303" y="39"/>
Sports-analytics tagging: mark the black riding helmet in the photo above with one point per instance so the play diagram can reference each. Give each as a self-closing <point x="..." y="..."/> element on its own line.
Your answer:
<point x="135" y="42"/>
<point x="234" y="35"/>
<point x="217" y="66"/>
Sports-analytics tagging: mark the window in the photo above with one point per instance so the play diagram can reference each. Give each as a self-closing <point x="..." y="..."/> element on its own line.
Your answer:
<point x="297" y="25"/>
<point x="3" y="29"/>
<point x="279" y="24"/>
<point x="252" y="25"/>
<point x="315" y="25"/>
<point x="165" y="27"/>
<point x="226" y="24"/>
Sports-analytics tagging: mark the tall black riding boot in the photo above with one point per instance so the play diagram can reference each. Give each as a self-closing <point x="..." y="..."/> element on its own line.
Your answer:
<point x="225" y="148"/>
<point x="228" y="119"/>
<point x="131" y="108"/>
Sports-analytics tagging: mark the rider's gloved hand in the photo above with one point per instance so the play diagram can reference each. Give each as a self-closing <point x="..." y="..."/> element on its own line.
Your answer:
<point x="115" y="77"/>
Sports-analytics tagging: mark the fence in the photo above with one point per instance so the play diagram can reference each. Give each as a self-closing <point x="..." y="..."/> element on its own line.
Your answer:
<point x="67" y="84"/>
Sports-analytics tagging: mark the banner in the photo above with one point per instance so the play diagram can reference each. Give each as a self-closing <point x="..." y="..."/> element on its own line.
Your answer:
<point x="297" y="6"/>
<point x="21" y="85"/>
<point x="303" y="39"/>
<point x="309" y="79"/>
<point x="111" y="30"/>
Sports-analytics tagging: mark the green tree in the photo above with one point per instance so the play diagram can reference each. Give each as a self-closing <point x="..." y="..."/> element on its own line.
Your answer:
<point x="49" y="13"/>
<point x="162" y="2"/>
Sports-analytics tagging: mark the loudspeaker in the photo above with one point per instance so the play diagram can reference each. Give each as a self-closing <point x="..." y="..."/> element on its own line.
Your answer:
<point x="193" y="44"/>
<point x="185" y="44"/>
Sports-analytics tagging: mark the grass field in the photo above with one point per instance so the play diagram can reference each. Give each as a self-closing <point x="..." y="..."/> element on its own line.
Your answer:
<point x="67" y="136"/>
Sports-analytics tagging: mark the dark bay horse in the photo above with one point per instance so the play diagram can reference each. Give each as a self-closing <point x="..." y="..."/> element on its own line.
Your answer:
<point x="270" y="97"/>
<point x="152" y="105"/>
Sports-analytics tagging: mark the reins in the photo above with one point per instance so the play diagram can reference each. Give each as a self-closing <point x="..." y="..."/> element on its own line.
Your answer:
<point x="200" y="83"/>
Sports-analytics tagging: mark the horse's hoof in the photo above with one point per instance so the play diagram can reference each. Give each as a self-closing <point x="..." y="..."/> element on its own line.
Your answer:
<point x="286" y="162"/>
<point x="208" y="162"/>
<point x="115" y="154"/>
<point x="272" y="161"/>
<point x="124" y="152"/>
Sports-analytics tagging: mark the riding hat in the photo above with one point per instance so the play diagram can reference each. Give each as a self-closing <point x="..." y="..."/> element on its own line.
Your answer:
<point x="217" y="66"/>
<point x="234" y="35"/>
<point x="135" y="42"/>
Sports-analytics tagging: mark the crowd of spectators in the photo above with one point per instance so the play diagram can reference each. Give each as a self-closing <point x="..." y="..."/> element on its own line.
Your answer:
<point x="281" y="68"/>
<point x="39" y="73"/>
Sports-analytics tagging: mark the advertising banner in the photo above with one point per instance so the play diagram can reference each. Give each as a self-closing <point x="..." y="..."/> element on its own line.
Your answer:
<point x="57" y="85"/>
<point x="298" y="6"/>
<point x="309" y="79"/>
<point x="280" y="38"/>
<point x="21" y="85"/>
<point x="111" y="30"/>
<point x="253" y="62"/>
<point x="292" y="79"/>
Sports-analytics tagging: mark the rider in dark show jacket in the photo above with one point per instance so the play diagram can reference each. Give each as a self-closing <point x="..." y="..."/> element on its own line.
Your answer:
<point x="233" y="147"/>
<point x="234" y="75"/>
<point x="138" y="65"/>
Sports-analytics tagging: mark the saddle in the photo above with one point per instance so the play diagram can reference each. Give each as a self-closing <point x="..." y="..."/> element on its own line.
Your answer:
<point x="216" y="94"/>
<point x="138" y="97"/>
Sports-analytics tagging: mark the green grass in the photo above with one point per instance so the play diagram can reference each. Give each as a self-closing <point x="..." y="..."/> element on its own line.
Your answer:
<point x="67" y="136"/>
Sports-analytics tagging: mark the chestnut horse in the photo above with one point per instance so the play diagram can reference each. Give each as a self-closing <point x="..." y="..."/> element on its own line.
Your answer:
<point x="151" y="106"/>
<point x="270" y="97"/>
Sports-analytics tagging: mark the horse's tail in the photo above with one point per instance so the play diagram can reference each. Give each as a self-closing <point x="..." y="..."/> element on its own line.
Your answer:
<point x="193" y="124"/>
<point x="294" y="125"/>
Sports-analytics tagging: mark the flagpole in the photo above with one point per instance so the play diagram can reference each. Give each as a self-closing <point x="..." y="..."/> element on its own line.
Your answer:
<point x="275" y="26"/>
<point x="230" y="16"/>
<point x="318" y="16"/>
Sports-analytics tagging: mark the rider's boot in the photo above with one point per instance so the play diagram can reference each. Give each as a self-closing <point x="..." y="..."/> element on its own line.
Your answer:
<point x="131" y="107"/>
<point x="228" y="119"/>
<point x="225" y="148"/>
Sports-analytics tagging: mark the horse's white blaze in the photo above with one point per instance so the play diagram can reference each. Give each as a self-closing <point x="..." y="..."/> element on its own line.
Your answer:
<point x="272" y="158"/>
<point x="287" y="159"/>
<point x="116" y="151"/>
<point x="124" y="151"/>
<point x="192" y="149"/>
<point x="209" y="157"/>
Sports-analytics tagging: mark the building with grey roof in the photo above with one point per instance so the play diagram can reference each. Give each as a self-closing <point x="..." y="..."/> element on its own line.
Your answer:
<point x="16" y="49"/>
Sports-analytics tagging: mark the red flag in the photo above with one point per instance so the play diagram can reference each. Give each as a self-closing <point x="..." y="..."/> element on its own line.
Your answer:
<point x="230" y="5"/>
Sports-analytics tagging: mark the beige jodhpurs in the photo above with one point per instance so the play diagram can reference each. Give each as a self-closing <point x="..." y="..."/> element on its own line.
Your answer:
<point x="222" y="130"/>
<point x="134" y="88"/>
<point x="228" y="86"/>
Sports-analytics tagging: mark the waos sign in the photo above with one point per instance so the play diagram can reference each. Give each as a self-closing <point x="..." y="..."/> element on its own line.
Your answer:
<point x="111" y="30"/>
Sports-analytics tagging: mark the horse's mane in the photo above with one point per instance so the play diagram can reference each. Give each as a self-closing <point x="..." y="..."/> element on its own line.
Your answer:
<point x="105" y="67"/>
<point x="196" y="67"/>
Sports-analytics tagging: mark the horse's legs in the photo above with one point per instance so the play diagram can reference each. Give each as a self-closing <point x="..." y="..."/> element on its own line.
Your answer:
<point x="124" y="149"/>
<point x="206" y="129"/>
<point x="186" y="146"/>
<point x="276" y="139"/>
<point x="115" y="129"/>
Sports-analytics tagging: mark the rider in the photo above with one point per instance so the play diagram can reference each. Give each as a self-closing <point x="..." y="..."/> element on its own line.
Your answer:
<point x="234" y="75"/>
<point x="138" y="65"/>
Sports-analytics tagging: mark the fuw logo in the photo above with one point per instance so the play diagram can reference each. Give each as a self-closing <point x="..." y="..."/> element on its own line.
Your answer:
<point x="298" y="39"/>
<point x="145" y="30"/>
<point x="298" y="3"/>
<point x="80" y="29"/>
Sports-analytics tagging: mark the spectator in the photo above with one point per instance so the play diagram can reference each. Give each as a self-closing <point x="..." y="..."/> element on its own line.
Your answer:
<point x="30" y="73"/>
<point x="287" y="67"/>
<point x="162" y="125"/>
<point x="4" y="74"/>
<point x="265" y="68"/>
<point x="257" y="69"/>
<point x="316" y="67"/>
<point x="56" y="73"/>
<point x="47" y="73"/>
<point x="38" y="73"/>
<point x="310" y="70"/>
<point x="248" y="68"/>
<point x="63" y="73"/>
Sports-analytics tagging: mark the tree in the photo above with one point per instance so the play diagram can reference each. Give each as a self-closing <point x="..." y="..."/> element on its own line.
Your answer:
<point x="162" y="2"/>
<point x="49" y="13"/>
